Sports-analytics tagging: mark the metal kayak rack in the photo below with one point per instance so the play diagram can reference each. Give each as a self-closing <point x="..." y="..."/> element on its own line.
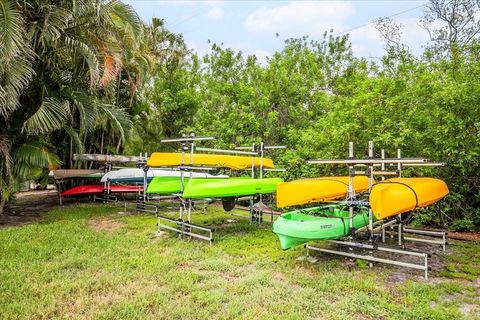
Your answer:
<point x="183" y="226"/>
<point x="394" y="227"/>
<point x="259" y="209"/>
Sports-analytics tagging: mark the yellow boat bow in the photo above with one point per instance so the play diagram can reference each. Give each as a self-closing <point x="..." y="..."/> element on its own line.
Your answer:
<point x="399" y="195"/>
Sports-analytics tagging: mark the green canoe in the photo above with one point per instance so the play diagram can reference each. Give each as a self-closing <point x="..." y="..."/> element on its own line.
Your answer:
<point x="232" y="187"/>
<point x="319" y="223"/>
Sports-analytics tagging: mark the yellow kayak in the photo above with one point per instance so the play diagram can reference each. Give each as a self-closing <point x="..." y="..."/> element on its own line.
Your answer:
<point x="398" y="195"/>
<point x="166" y="159"/>
<point x="305" y="191"/>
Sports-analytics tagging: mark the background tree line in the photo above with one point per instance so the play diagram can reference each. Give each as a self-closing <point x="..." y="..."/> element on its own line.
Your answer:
<point x="120" y="86"/>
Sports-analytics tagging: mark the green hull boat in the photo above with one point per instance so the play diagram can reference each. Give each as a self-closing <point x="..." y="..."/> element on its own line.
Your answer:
<point x="164" y="185"/>
<point x="319" y="223"/>
<point x="232" y="187"/>
<point x="171" y="185"/>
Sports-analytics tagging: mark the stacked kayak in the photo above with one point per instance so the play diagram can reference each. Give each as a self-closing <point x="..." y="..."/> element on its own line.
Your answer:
<point x="399" y="195"/>
<point x="304" y="191"/>
<point x="137" y="175"/>
<point x="232" y="187"/>
<point x="172" y="184"/>
<point x="317" y="223"/>
<point x="166" y="159"/>
<point x="75" y="173"/>
<point x="98" y="188"/>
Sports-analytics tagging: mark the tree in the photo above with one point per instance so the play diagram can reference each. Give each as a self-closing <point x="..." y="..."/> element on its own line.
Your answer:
<point x="452" y="24"/>
<point x="58" y="63"/>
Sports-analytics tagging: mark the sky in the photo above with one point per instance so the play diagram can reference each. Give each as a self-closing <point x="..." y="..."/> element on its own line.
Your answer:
<point x="251" y="26"/>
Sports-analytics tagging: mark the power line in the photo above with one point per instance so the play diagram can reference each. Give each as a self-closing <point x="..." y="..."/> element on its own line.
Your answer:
<point x="373" y="21"/>
<point x="196" y="14"/>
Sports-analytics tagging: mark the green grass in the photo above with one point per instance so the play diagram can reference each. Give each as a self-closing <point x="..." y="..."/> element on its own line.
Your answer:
<point x="89" y="262"/>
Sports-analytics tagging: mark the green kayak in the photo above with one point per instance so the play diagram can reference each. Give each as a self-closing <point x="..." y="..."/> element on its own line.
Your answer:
<point x="232" y="187"/>
<point x="319" y="223"/>
<point x="164" y="185"/>
<point x="170" y="185"/>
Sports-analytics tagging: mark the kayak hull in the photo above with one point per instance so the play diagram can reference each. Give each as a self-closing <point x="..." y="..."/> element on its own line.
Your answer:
<point x="137" y="175"/>
<point x="232" y="187"/>
<point x="304" y="191"/>
<point x="75" y="173"/>
<point x="394" y="196"/>
<point x="98" y="188"/>
<point x="318" y="223"/>
<point x="166" y="159"/>
<point x="171" y="185"/>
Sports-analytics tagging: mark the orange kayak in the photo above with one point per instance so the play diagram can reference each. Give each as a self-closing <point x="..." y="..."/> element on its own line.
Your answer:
<point x="399" y="195"/>
<point x="304" y="191"/>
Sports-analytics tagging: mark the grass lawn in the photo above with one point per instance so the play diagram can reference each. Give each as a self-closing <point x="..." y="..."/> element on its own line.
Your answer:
<point x="89" y="262"/>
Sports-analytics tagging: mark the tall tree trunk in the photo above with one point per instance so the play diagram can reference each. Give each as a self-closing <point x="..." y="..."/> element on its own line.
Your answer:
<point x="3" y="202"/>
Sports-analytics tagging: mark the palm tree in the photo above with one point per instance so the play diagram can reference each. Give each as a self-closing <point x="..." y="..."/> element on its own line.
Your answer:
<point x="60" y="63"/>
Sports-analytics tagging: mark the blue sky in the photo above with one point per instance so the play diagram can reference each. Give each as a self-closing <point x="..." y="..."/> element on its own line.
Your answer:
<point x="251" y="26"/>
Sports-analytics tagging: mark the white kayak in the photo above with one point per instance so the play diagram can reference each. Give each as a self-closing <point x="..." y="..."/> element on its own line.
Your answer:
<point x="136" y="175"/>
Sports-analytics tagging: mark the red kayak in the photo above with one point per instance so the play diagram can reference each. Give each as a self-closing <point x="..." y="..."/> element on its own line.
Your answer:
<point x="98" y="188"/>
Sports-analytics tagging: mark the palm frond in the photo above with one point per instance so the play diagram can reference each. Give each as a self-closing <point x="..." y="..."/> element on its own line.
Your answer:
<point x="88" y="54"/>
<point x="77" y="142"/>
<point x="87" y="110"/>
<point x="54" y="23"/>
<point x="51" y="116"/>
<point x="11" y="30"/>
<point x="123" y="15"/>
<point x="119" y="118"/>
<point x="110" y="70"/>
<point x="30" y="156"/>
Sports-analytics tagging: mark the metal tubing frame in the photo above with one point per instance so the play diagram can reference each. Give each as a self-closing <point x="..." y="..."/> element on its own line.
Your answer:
<point x="369" y="161"/>
<point x="226" y="151"/>
<point x="371" y="258"/>
<point x="436" y="234"/>
<point x="180" y="230"/>
<point x="184" y="138"/>
<point x="186" y="205"/>
<point x="105" y="197"/>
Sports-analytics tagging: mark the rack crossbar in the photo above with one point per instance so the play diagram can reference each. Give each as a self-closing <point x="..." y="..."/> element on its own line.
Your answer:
<point x="186" y="139"/>
<point x="105" y="198"/>
<point x="374" y="259"/>
<point x="196" y="168"/>
<point x="385" y="249"/>
<point x="227" y="151"/>
<point x="180" y="229"/>
<point x="425" y="232"/>
<point x="369" y="161"/>
<point x="439" y="242"/>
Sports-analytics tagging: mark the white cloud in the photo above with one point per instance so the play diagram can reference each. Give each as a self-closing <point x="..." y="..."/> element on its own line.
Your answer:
<point x="201" y="48"/>
<point x="215" y="13"/>
<point x="300" y="17"/>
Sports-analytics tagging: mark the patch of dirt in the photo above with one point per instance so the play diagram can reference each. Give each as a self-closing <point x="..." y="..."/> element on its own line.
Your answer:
<point x="436" y="262"/>
<point x="104" y="225"/>
<point x="467" y="309"/>
<point x="27" y="207"/>
<point x="467" y="236"/>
